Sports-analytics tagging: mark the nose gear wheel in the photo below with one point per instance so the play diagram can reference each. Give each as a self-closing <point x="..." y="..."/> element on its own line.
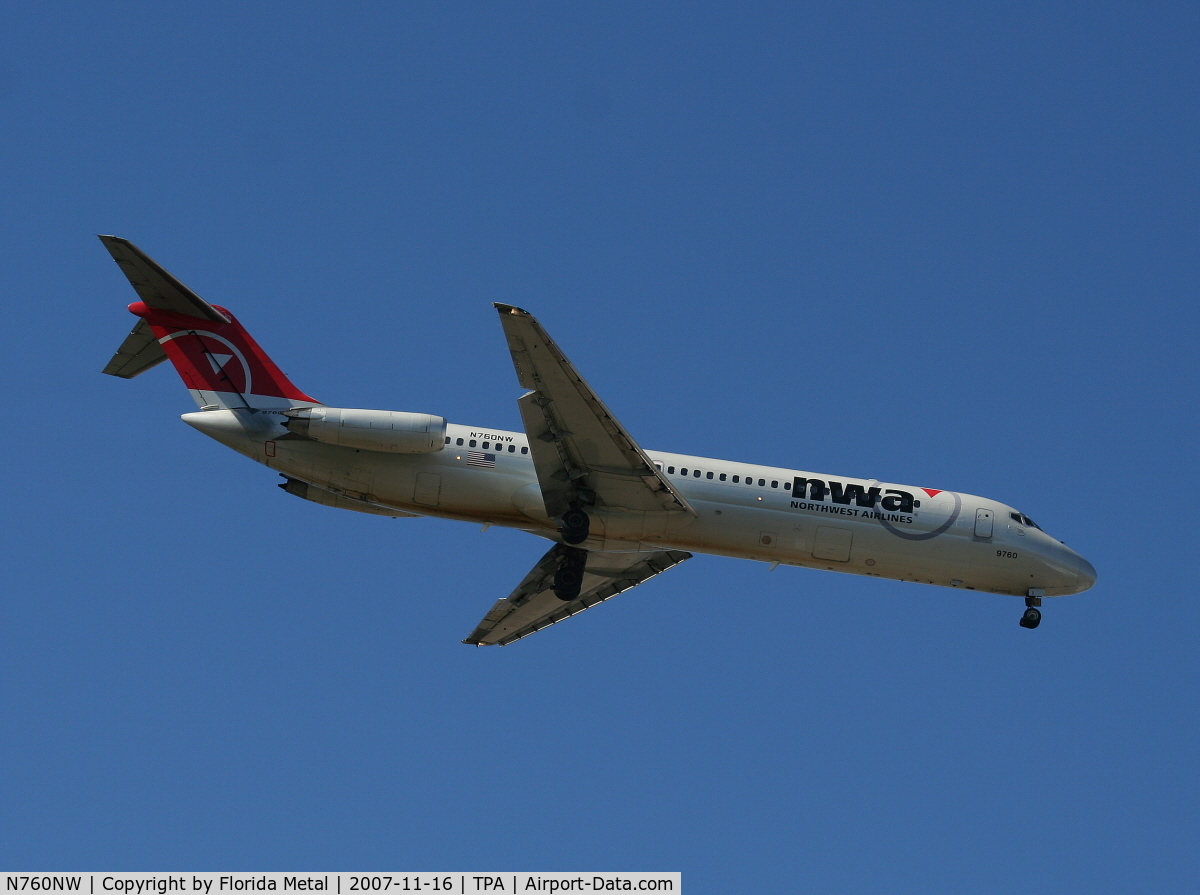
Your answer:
<point x="1032" y="616"/>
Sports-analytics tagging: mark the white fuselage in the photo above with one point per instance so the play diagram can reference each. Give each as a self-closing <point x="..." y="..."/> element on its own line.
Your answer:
<point x="944" y="538"/>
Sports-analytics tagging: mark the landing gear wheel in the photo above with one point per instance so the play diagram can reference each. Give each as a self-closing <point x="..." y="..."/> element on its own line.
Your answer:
<point x="574" y="526"/>
<point x="567" y="582"/>
<point x="1032" y="618"/>
<point x="568" y="577"/>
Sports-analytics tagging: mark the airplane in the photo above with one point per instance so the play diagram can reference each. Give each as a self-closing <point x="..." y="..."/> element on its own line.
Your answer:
<point x="617" y="514"/>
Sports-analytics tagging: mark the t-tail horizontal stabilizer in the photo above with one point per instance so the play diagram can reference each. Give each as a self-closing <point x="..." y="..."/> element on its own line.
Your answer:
<point x="138" y="353"/>
<point x="157" y="288"/>
<point x="216" y="358"/>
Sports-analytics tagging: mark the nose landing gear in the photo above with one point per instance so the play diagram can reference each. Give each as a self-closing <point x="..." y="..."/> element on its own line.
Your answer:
<point x="1032" y="616"/>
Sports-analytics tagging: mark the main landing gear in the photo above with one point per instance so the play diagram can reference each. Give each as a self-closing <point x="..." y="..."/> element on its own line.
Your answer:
<point x="1032" y="616"/>
<point x="568" y="577"/>
<point x="574" y="526"/>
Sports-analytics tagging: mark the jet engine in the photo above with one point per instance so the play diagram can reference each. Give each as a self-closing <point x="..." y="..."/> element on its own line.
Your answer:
<point x="369" y="430"/>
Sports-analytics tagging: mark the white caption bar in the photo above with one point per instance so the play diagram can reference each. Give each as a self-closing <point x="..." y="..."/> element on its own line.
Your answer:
<point x="458" y="883"/>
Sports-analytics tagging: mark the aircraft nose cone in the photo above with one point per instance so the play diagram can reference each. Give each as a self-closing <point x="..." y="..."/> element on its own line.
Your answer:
<point x="1086" y="572"/>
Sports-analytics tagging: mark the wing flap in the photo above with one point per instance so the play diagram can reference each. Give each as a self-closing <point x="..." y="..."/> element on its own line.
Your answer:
<point x="533" y="606"/>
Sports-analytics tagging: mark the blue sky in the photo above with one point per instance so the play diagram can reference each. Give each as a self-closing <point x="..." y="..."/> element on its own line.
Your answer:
<point x="943" y="244"/>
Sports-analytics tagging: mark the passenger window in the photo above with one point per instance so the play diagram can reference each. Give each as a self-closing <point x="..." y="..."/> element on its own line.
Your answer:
<point x="683" y="470"/>
<point x="472" y="444"/>
<point x="658" y="465"/>
<point x="447" y="439"/>
<point x="696" y="473"/>
<point x="774" y="484"/>
<point x="722" y="477"/>
<point x="709" y="475"/>
<point x="670" y="470"/>
<point x="524" y="450"/>
<point x="512" y="448"/>
<point x="459" y="442"/>
<point x="737" y="479"/>
<point x="761" y="482"/>
<point x="486" y="446"/>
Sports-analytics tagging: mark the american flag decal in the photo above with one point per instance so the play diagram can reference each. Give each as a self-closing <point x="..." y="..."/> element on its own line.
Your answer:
<point x="481" y="458"/>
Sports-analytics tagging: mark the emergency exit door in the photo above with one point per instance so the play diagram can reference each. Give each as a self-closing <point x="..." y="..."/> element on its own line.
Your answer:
<point x="983" y="523"/>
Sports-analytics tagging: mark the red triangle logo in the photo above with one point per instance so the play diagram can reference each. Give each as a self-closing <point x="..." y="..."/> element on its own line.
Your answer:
<point x="931" y="492"/>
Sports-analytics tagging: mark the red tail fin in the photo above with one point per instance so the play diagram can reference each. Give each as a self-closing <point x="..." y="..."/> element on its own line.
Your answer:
<point x="217" y="359"/>
<point x="220" y="362"/>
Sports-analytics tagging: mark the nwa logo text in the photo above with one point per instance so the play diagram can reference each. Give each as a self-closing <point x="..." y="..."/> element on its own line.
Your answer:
<point x="853" y="500"/>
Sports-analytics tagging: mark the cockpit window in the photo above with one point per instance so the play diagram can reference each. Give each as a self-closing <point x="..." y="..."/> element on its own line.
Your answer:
<point x="1024" y="520"/>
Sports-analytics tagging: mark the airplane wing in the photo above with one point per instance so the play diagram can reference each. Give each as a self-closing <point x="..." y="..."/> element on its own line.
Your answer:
<point x="533" y="605"/>
<point x="582" y="455"/>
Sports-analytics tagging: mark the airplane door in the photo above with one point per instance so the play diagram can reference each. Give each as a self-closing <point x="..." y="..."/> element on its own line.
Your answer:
<point x="428" y="490"/>
<point x="983" y="523"/>
<point x="833" y="543"/>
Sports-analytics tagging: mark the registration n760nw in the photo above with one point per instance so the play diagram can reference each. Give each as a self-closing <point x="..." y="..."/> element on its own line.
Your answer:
<point x="616" y="514"/>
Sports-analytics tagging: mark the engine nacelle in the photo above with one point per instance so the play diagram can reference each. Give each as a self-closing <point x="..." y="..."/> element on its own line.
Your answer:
<point x="370" y="430"/>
